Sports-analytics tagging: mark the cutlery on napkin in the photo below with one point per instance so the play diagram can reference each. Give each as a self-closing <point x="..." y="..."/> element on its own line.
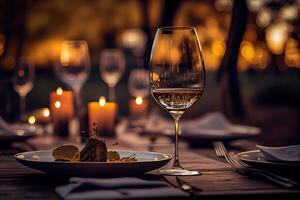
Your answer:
<point x="116" y="188"/>
<point x="285" y="154"/>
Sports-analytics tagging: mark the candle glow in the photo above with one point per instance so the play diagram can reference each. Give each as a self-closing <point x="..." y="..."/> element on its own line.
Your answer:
<point x="59" y="91"/>
<point x="102" y="101"/>
<point x="31" y="119"/>
<point x="57" y="104"/>
<point x="46" y="112"/>
<point x="139" y="100"/>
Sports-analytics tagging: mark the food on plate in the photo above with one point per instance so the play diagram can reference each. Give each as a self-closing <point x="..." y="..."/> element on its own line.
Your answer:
<point x="95" y="150"/>
<point x="66" y="153"/>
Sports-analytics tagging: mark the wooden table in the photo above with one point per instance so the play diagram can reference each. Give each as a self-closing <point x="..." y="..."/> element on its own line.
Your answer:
<point x="218" y="180"/>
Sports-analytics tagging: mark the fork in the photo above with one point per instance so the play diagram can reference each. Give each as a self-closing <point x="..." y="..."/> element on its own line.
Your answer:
<point x="244" y="168"/>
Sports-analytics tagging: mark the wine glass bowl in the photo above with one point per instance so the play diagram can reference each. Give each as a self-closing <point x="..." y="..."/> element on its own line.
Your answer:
<point x="138" y="83"/>
<point x="112" y="66"/>
<point x="177" y="77"/>
<point x="23" y="80"/>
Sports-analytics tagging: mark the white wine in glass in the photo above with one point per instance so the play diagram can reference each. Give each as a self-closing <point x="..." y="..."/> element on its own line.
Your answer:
<point x="177" y="78"/>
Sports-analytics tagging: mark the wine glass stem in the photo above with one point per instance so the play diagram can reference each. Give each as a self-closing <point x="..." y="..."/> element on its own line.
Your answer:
<point x="176" y="163"/>
<point x="112" y="93"/>
<point x="77" y="99"/>
<point x="22" y="104"/>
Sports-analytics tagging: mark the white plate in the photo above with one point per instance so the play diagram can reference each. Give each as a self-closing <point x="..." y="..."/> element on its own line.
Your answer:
<point x="256" y="159"/>
<point x="43" y="161"/>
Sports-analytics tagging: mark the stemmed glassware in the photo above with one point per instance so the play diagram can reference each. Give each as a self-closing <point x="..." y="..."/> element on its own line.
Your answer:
<point x="138" y="83"/>
<point x="23" y="80"/>
<point x="177" y="78"/>
<point x="112" y="66"/>
<point x="74" y="66"/>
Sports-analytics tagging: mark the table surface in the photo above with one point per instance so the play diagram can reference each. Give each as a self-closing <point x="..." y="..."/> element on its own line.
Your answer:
<point x="218" y="180"/>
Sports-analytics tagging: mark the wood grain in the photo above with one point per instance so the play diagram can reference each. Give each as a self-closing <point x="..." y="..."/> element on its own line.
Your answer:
<point x="218" y="180"/>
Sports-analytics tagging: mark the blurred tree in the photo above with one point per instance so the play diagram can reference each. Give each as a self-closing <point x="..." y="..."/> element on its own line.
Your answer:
<point x="228" y="73"/>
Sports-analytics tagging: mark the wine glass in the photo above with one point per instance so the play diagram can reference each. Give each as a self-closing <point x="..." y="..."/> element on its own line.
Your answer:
<point x="177" y="78"/>
<point x="138" y="83"/>
<point x="23" y="80"/>
<point x="74" y="66"/>
<point x="112" y="66"/>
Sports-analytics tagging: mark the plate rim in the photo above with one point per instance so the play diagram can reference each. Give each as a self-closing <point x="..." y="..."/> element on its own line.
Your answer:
<point x="266" y="162"/>
<point x="167" y="157"/>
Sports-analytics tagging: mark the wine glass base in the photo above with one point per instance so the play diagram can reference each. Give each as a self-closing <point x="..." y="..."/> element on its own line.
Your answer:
<point x="178" y="172"/>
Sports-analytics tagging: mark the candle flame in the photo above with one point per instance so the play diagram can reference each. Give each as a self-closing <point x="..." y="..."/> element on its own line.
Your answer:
<point x="139" y="100"/>
<point x="59" y="91"/>
<point x="46" y="112"/>
<point x="102" y="101"/>
<point x="31" y="119"/>
<point x="57" y="104"/>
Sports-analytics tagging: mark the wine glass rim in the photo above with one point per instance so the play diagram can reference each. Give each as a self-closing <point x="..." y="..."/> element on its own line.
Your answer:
<point x="176" y="28"/>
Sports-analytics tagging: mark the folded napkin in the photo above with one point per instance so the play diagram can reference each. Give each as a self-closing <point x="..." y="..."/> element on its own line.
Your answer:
<point x="215" y="123"/>
<point x="116" y="188"/>
<point x="286" y="153"/>
<point x="212" y="124"/>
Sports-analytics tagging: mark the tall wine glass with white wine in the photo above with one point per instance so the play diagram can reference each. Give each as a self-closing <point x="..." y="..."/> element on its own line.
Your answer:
<point x="177" y="78"/>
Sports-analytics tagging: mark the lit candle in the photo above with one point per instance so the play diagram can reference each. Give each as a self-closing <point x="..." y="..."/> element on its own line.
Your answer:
<point x="61" y="108"/>
<point x="138" y="106"/>
<point x="42" y="115"/>
<point x="103" y="114"/>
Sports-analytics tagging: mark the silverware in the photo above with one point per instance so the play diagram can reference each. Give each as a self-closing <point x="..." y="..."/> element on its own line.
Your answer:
<point x="186" y="187"/>
<point x="246" y="169"/>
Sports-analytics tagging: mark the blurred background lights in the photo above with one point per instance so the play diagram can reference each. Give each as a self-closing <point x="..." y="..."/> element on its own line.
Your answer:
<point x="288" y="12"/>
<point x="264" y="17"/>
<point x="276" y="37"/>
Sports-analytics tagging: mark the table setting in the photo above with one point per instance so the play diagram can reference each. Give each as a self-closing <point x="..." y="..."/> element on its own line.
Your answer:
<point x="87" y="150"/>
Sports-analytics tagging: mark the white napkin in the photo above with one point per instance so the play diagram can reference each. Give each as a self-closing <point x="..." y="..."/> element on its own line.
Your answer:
<point x="215" y="123"/>
<point x="286" y="153"/>
<point x="116" y="188"/>
<point x="211" y="124"/>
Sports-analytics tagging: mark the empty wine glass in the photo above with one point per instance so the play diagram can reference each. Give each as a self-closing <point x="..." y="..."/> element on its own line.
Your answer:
<point x="23" y="80"/>
<point x="177" y="78"/>
<point x="112" y="66"/>
<point x="138" y="83"/>
<point x="74" y="66"/>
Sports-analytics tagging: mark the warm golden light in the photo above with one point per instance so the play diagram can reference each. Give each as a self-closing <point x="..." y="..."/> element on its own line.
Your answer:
<point x="247" y="50"/>
<point x="276" y="36"/>
<point x="102" y="101"/>
<point x="138" y="100"/>
<point x="64" y="56"/>
<point x="264" y="17"/>
<point x="31" y="119"/>
<point x="46" y="112"/>
<point x="218" y="48"/>
<point x="292" y="53"/>
<point x="154" y="76"/>
<point x="59" y="91"/>
<point x="134" y="38"/>
<point x="57" y="104"/>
